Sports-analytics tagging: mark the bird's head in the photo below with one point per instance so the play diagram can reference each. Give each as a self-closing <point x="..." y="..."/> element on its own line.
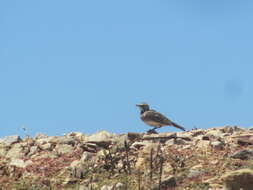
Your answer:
<point x="143" y="106"/>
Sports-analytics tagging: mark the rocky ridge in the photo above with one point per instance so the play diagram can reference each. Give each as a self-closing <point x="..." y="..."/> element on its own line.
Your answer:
<point x="214" y="159"/>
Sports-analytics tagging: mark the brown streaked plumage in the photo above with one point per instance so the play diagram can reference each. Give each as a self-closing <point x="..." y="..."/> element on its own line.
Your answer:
<point x="154" y="118"/>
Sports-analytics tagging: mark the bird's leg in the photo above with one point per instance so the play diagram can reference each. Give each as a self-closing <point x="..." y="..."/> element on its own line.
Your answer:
<point x="152" y="131"/>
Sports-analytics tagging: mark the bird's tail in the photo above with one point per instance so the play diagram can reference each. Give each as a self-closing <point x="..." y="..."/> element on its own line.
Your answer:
<point x="178" y="126"/>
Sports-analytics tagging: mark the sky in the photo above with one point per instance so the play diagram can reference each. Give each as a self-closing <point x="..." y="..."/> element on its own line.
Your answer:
<point x="81" y="65"/>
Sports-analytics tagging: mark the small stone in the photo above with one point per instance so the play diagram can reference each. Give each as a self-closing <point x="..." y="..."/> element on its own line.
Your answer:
<point x="66" y="140"/>
<point x="167" y="183"/>
<point x="33" y="150"/>
<point x="243" y="139"/>
<point x="180" y="142"/>
<point x="119" y="186"/>
<point x="119" y="142"/>
<point x="214" y="133"/>
<point x="78" y="169"/>
<point x="45" y="155"/>
<point x="138" y="145"/>
<point x="40" y="136"/>
<point x="196" y="171"/>
<point x="106" y="187"/>
<point x="239" y="179"/>
<point x="217" y="145"/>
<point x="232" y="129"/>
<point x="185" y="136"/>
<point x="9" y="140"/>
<point x="201" y="144"/>
<point x="243" y="154"/>
<point x="101" y="136"/>
<point x="133" y="136"/>
<point x="46" y="146"/>
<point x="64" y="148"/>
<point x="20" y="163"/>
<point x="83" y="188"/>
<point x="87" y="156"/>
<point x="170" y="142"/>
<point x="3" y="150"/>
<point x="16" y="151"/>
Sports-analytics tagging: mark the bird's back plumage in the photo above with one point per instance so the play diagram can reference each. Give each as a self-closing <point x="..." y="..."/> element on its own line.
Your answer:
<point x="156" y="119"/>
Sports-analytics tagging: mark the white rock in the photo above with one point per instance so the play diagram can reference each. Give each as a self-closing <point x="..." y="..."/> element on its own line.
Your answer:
<point x="9" y="140"/>
<point x="107" y="187"/>
<point x="87" y="156"/>
<point x="20" y="163"/>
<point x="101" y="136"/>
<point x="64" y="148"/>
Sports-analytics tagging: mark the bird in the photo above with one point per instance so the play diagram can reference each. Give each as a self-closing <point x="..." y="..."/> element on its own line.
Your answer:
<point x="154" y="118"/>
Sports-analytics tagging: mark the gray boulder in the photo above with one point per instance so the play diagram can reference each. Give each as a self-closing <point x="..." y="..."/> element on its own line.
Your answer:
<point x="243" y="154"/>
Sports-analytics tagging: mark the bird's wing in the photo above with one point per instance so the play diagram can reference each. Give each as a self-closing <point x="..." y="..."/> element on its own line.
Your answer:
<point x="155" y="116"/>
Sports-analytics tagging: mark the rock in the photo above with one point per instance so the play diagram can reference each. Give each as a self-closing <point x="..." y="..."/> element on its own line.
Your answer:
<point x="46" y="146"/>
<point x="197" y="132"/>
<point x="102" y="139"/>
<point x="78" y="169"/>
<point x="45" y="139"/>
<point x="196" y="171"/>
<point x="84" y="188"/>
<point x="133" y="136"/>
<point x="20" y="163"/>
<point x="65" y="140"/>
<point x="202" y="144"/>
<point x="101" y="136"/>
<point x="180" y="141"/>
<point x="119" y="186"/>
<point x="217" y="145"/>
<point x="3" y="150"/>
<point x="185" y="136"/>
<point x="176" y="142"/>
<point x="64" y="149"/>
<point x="170" y="142"/>
<point x="239" y="179"/>
<point x="243" y="154"/>
<point x="107" y="187"/>
<point x="16" y="151"/>
<point x="138" y="145"/>
<point x="9" y="140"/>
<point x="56" y="140"/>
<point x="162" y="137"/>
<point x="88" y="156"/>
<point x="213" y="134"/>
<point x="250" y="128"/>
<point x="140" y="163"/>
<point x="231" y="129"/>
<point x="119" y="142"/>
<point x="40" y="136"/>
<point x="243" y="139"/>
<point x="166" y="183"/>
<point x="33" y="150"/>
<point x="44" y="155"/>
<point x="77" y="135"/>
<point x="169" y="182"/>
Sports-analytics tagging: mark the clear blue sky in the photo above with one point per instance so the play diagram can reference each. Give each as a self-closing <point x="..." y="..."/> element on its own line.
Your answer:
<point x="83" y="65"/>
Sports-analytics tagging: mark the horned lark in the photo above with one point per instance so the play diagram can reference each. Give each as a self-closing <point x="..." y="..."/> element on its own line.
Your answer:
<point x="154" y="118"/>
